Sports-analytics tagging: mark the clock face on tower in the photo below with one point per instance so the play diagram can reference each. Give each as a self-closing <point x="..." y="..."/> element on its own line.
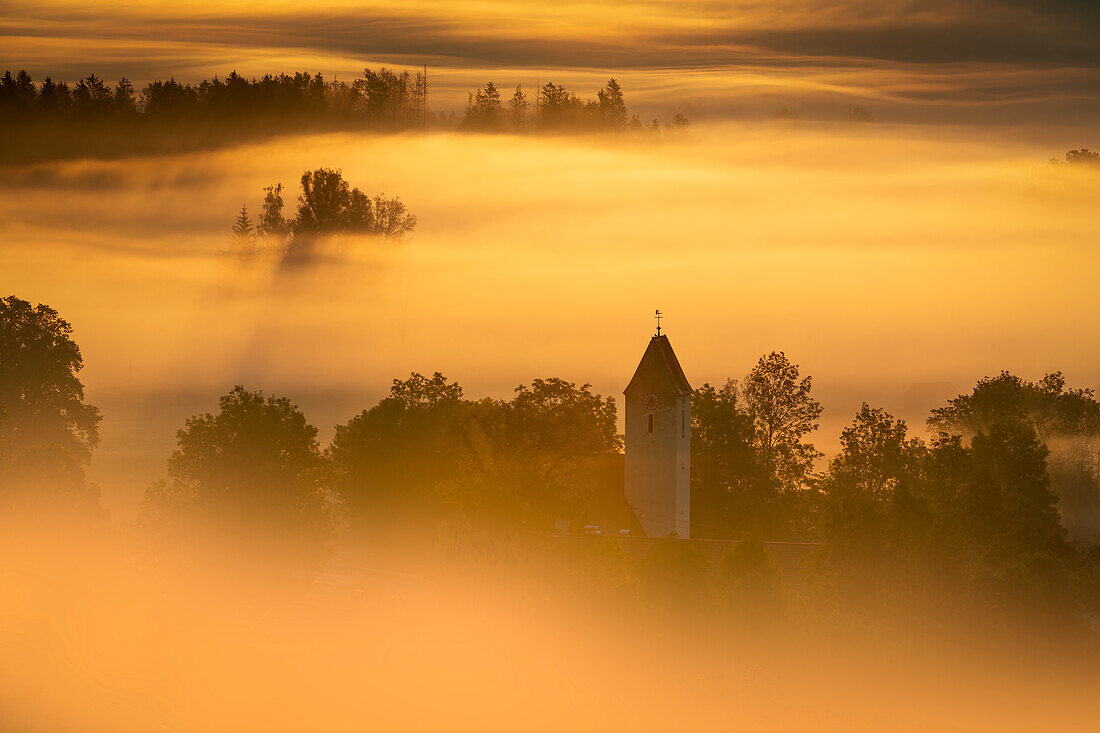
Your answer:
<point x="651" y="401"/>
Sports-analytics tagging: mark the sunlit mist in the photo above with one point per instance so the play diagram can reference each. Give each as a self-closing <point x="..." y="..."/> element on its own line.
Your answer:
<point x="635" y="365"/>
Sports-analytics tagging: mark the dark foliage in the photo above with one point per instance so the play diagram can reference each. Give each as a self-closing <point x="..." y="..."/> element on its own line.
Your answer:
<point x="251" y="477"/>
<point x="555" y="109"/>
<point x="1066" y="421"/>
<point x="327" y="205"/>
<point x="425" y="451"/>
<point x="47" y="430"/>
<point x="904" y="519"/>
<point x="56" y="120"/>
<point x="751" y="464"/>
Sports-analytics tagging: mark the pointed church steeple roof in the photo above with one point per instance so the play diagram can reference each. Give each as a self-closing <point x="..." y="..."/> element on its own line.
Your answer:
<point x="660" y="359"/>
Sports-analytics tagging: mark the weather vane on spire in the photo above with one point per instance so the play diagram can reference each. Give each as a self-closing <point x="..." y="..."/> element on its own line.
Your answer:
<point x="657" y="315"/>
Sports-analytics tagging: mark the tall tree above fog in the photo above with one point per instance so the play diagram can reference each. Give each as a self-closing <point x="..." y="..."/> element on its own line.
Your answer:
<point x="612" y="106"/>
<point x="783" y="413"/>
<point x="272" y="223"/>
<point x="751" y="459"/>
<point x="484" y="110"/>
<point x="517" y="108"/>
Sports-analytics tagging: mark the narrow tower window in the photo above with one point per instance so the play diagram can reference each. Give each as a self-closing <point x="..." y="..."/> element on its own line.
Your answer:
<point x="650" y="430"/>
<point x="683" y="423"/>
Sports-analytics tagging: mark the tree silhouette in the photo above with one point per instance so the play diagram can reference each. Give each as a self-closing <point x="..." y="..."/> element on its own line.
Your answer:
<point x="527" y="461"/>
<point x="424" y="450"/>
<point x="1065" y="420"/>
<point x="750" y="459"/>
<point x="328" y="205"/>
<point x="244" y="234"/>
<point x="783" y="413"/>
<point x="272" y="222"/>
<point x="253" y="471"/>
<point x="612" y="106"/>
<point x="723" y="501"/>
<point x="42" y="395"/>
<point x="517" y="109"/>
<point x="483" y="109"/>
<point x="389" y="460"/>
<point x="47" y="430"/>
<point x="901" y="516"/>
<point x="1083" y="156"/>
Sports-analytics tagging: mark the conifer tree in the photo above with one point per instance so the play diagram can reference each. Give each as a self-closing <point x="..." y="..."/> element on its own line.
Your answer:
<point x="518" y="107"/>
<point x="612" y="106"/>
<point x="244" y="234"/>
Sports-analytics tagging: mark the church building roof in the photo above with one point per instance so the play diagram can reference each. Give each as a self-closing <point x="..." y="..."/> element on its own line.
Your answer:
<point x="659" y="358"/>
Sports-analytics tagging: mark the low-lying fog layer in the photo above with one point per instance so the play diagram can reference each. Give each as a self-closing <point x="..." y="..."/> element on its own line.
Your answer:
<point x="895" y="264"/>
<point x="96" y="641"/>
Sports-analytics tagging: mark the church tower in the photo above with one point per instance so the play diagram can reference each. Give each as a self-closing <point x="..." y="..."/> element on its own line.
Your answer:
<point x="658" y="442"/>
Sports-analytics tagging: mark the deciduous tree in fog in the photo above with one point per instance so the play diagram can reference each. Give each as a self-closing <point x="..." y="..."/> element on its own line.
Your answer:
<point x="327" y="204"/>
<point x="903" y="518"/>
<point x="723" y="502"/>
<point x="425" y="452"/>
<point x="272" y="222"/>
<point x="528" y="460"/>
<point x="1067" y="421"/>
<point x="388" y="461"/>
<point x="750" y="457"/>
<point x="47" y="430"/>
<point x="783" y="413"/>
<point x="253" y="470"/>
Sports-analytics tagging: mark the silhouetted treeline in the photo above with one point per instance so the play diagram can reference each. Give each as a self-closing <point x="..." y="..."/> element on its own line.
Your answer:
<point x="970" y="515"/>
<point x="554" y="108"/>
<point x="420" y="457"/>
<point x="1079" y="157"/>
<point x="381" y="98"/>
<point x="973" y="512"/>
<point x="92" y="117"/>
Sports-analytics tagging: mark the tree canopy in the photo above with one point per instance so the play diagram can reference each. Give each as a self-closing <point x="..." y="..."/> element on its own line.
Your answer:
<point x="255" y="463"/>
<point x="904" y="517"/>
<point x="327" y="205"/>
<point x="47" y="430"/>
<point x="427" y="449"/>
<point x="1066" y="421"/>
<point x="750" y="458"/>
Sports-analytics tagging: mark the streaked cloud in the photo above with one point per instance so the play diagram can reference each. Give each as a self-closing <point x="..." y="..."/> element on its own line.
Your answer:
<point x="918" y="59"/>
